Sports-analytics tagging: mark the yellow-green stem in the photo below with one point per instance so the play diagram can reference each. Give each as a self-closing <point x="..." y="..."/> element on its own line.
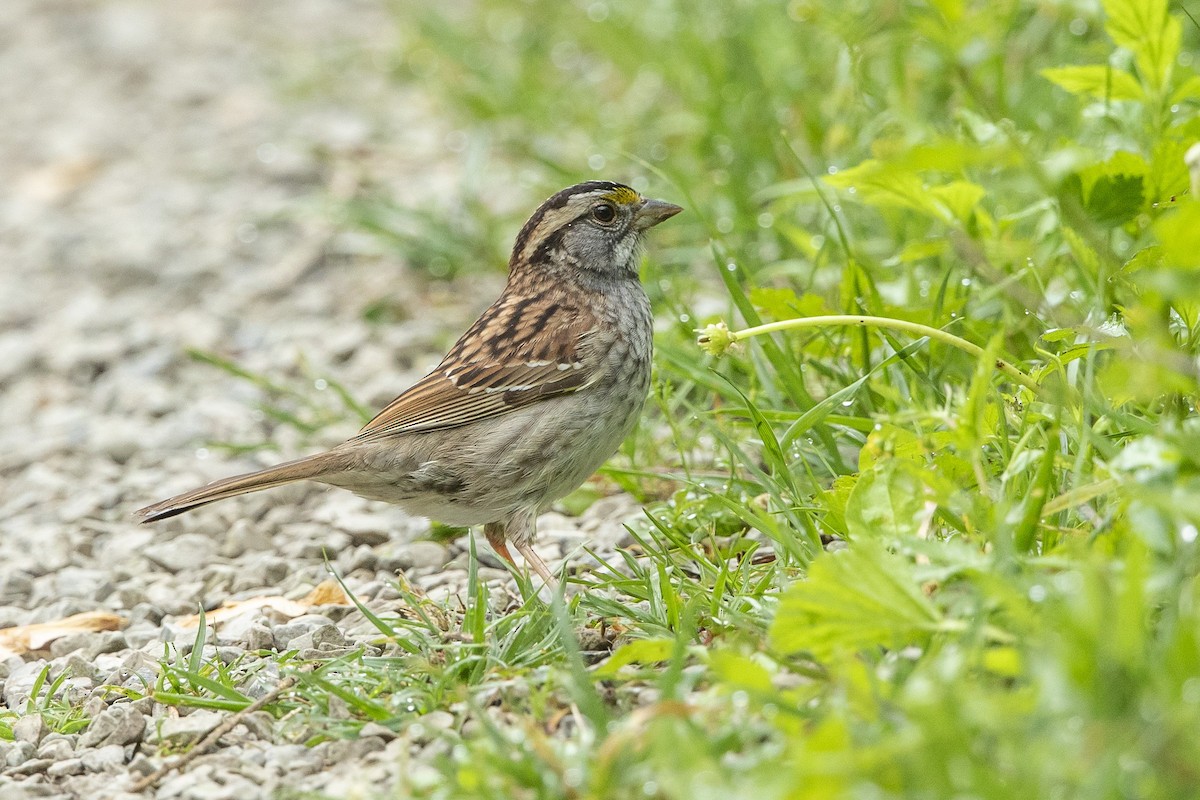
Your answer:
<point x="883" y="322"/>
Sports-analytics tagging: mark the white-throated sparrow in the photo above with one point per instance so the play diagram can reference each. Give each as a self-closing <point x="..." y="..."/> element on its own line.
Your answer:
<point x="529" y="402"/>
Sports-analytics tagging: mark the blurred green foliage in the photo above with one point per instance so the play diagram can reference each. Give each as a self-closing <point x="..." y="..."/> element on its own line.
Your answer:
<point x="870" y="567"/>
<point x="1015" y="614"/>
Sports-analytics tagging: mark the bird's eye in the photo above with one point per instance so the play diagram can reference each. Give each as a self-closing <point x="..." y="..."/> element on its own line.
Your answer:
<point x="604" y="213"/>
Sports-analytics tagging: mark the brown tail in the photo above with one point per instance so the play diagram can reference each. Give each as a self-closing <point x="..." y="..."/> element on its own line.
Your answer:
<point x="280" y="475"/>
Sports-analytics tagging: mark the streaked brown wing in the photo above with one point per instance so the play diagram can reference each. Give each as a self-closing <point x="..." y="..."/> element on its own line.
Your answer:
<point x="516" y="353"/>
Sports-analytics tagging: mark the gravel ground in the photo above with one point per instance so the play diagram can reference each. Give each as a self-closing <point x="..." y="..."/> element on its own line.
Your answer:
<point x="167" y="188"/>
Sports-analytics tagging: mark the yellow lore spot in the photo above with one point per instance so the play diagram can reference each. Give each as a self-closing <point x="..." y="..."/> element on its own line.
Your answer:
<point x="623" y="196"/>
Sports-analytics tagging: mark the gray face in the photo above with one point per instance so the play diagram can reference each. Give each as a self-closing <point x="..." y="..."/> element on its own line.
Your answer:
<point x="594" y="226"/>
<point x="604" y="238"/>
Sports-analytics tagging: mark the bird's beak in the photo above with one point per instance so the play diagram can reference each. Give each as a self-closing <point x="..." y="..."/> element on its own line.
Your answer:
<point x="653" y="212"/>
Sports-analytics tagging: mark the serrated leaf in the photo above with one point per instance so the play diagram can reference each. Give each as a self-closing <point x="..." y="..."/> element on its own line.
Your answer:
<point x="960" y="197"/>
<point x="948" y="155"/>
<point x="834" y="500"/>
<point x="1112" y="198"/>
<point x="1168" y="173"/>
<point x="1145" y="29"/>
<point x="860" y="598"/>
<point x="1114" y="184"/>
<point x="1084" y="255"/>
<point x="889" y="441"/>
<point x="887" y="502"/>
<point x="883" y="186"/>
<point x="1095" y="80"/>
<point x="1147" y="258"/>
<point x="1187" y="91"/>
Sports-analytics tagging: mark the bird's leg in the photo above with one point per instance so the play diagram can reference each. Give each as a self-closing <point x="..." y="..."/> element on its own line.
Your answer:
<point x="494" y="532"/>
<point x="520" y="529"/>
<point x="525" y="548"/>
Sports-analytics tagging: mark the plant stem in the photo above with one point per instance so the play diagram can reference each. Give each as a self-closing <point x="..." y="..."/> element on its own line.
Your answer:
<point x="858" y="320"/>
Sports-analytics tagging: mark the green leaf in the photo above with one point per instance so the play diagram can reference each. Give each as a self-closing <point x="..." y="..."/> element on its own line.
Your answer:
<point x="860" y="598"/>
<point x="1059" y="334"/>
<point x="739" y="671"/>
<point x="1168" y="172"/>
<point x="1187" y="91"/>
<point x="887" y="502"/>
<point x="1128" y="379"/>
<point x="1147" y="258"/>
<point x="1179" y="232"/>
<point x="960" y="198"/>
<point x="640" y="651"/>
<point x="1036" y="496"/>
<point x="786" y="304"/>
<point x="1145" y="29"/>
<point x="1114" y="192"/>
<point x="1084" y="254"/>
<point x="884" y="186"/>
<point x="1100" y="81"/>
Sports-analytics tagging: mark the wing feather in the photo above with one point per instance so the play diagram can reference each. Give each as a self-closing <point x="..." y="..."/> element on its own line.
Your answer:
<point x="518" y="352"/>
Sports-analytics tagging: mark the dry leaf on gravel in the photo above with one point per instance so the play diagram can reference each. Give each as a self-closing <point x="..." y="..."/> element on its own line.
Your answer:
<point x="24" y="638"/>
<point x="326" y="593"/>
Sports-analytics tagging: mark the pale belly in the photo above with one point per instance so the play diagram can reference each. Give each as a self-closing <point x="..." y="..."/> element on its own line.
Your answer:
<point x="490" y="470"/>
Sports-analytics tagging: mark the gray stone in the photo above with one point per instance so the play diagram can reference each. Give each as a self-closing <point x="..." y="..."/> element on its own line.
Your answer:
<point x="293" y="759"/>
<point x="183" y="553"/>
<point x="235" y="630"/>
<point x="185" y="730"/>
<point x="142" y="634"/>
<point x="315" y="654"/>
<point x="110" y="758"/>
<point x="89" y="645"/>
<point x="90" y="584"/>
<point x="95" y="705"/>
<point x="120" y="441"/>
<point x="70" y="643"/>
<point x="363" y="528"/>
<point x="440" y="720"/>
<point x="67" y="766"/>
<point x="416" y="555"/>
<point x="259" y="637"/>
<point x="120" y="725"/>
<point x="18" y="753"/>
<point x="56" y="747"/>
<point x="326" y="637"/>
<point x="11" y="616"/>
<point x="15" y="588"/>
<point x="374" y="729"/>
<point x="30" y="729"/>
<point x="131" y="597"/>
<point x="141" y="765"/>
<point x="144" y="612"/>
<point x="30" y="767"/>
<point x="285" y="633"/>
<point x="359" y="558"/>
<point x="339" y="751"/>
<point x="245" y="536"/>
<point x="173" y="597"/>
